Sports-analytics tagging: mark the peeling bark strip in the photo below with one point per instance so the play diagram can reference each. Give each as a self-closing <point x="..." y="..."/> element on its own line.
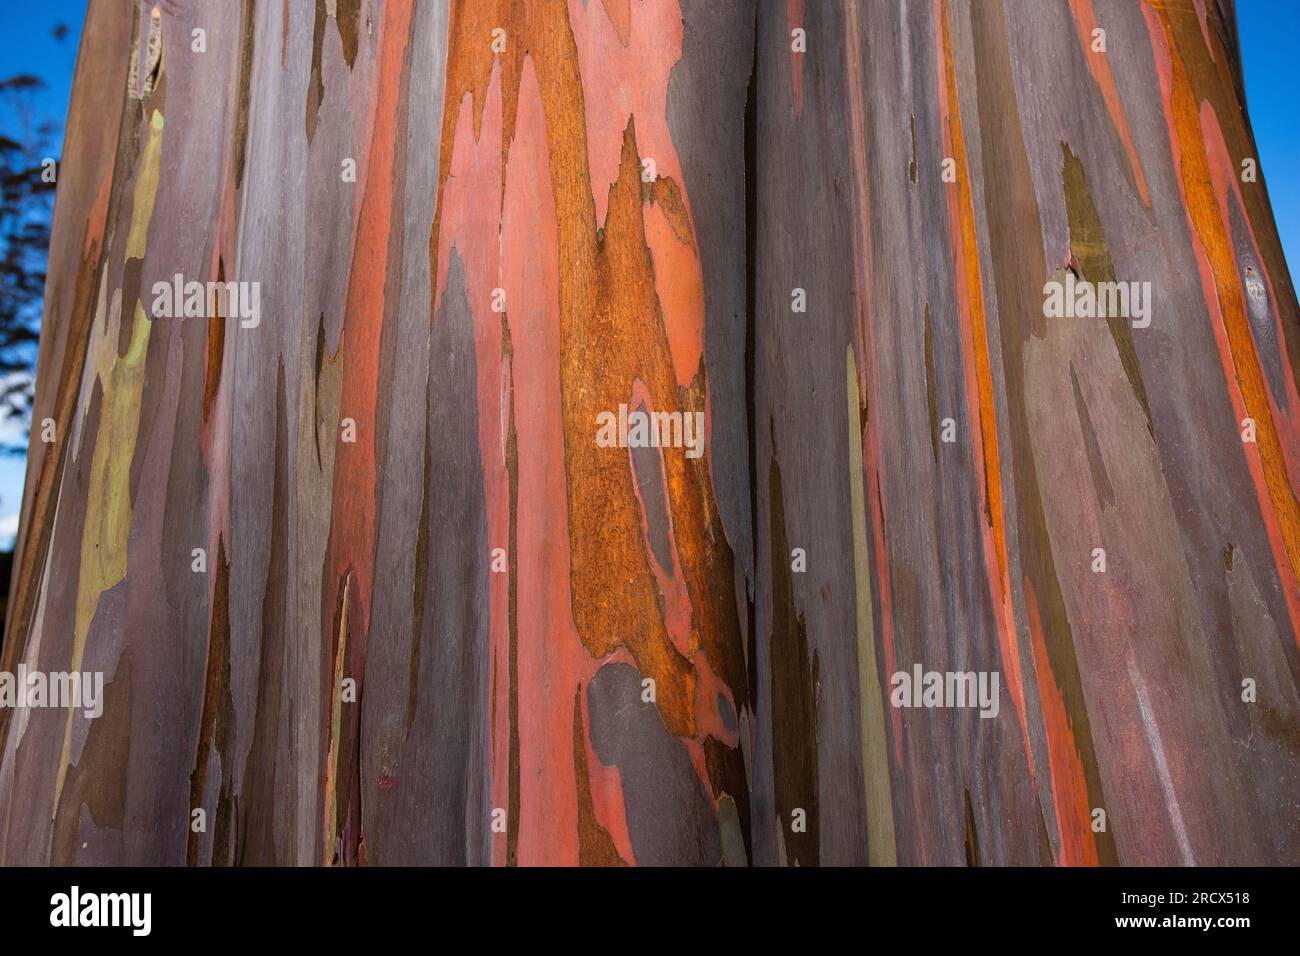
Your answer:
<point x="365" y="588"/>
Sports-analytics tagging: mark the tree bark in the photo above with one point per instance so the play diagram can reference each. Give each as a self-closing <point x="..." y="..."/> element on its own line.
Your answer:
<point x="366" y="584"/>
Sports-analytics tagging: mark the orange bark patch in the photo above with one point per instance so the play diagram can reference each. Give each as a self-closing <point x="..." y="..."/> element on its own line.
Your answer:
<point x="1069" y="784"/>
<point x="979" y="385"/>
<point x="1224" y="299"/>
<point x="603" y="289"/>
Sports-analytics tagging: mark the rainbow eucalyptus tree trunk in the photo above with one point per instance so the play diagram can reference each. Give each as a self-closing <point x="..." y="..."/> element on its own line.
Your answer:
<point x="603" y="401"/>
<point x="982" y="486"/>
<point x="428" y="603"/>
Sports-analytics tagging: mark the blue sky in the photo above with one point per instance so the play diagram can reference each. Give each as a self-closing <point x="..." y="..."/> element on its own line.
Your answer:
<point x="1268" y="29"/>
<point x="27" y="45"/>
<point x="1268" y="52"/>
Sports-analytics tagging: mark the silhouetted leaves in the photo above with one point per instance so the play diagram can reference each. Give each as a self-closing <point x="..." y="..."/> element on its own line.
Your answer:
<point x="26" y="204"/>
